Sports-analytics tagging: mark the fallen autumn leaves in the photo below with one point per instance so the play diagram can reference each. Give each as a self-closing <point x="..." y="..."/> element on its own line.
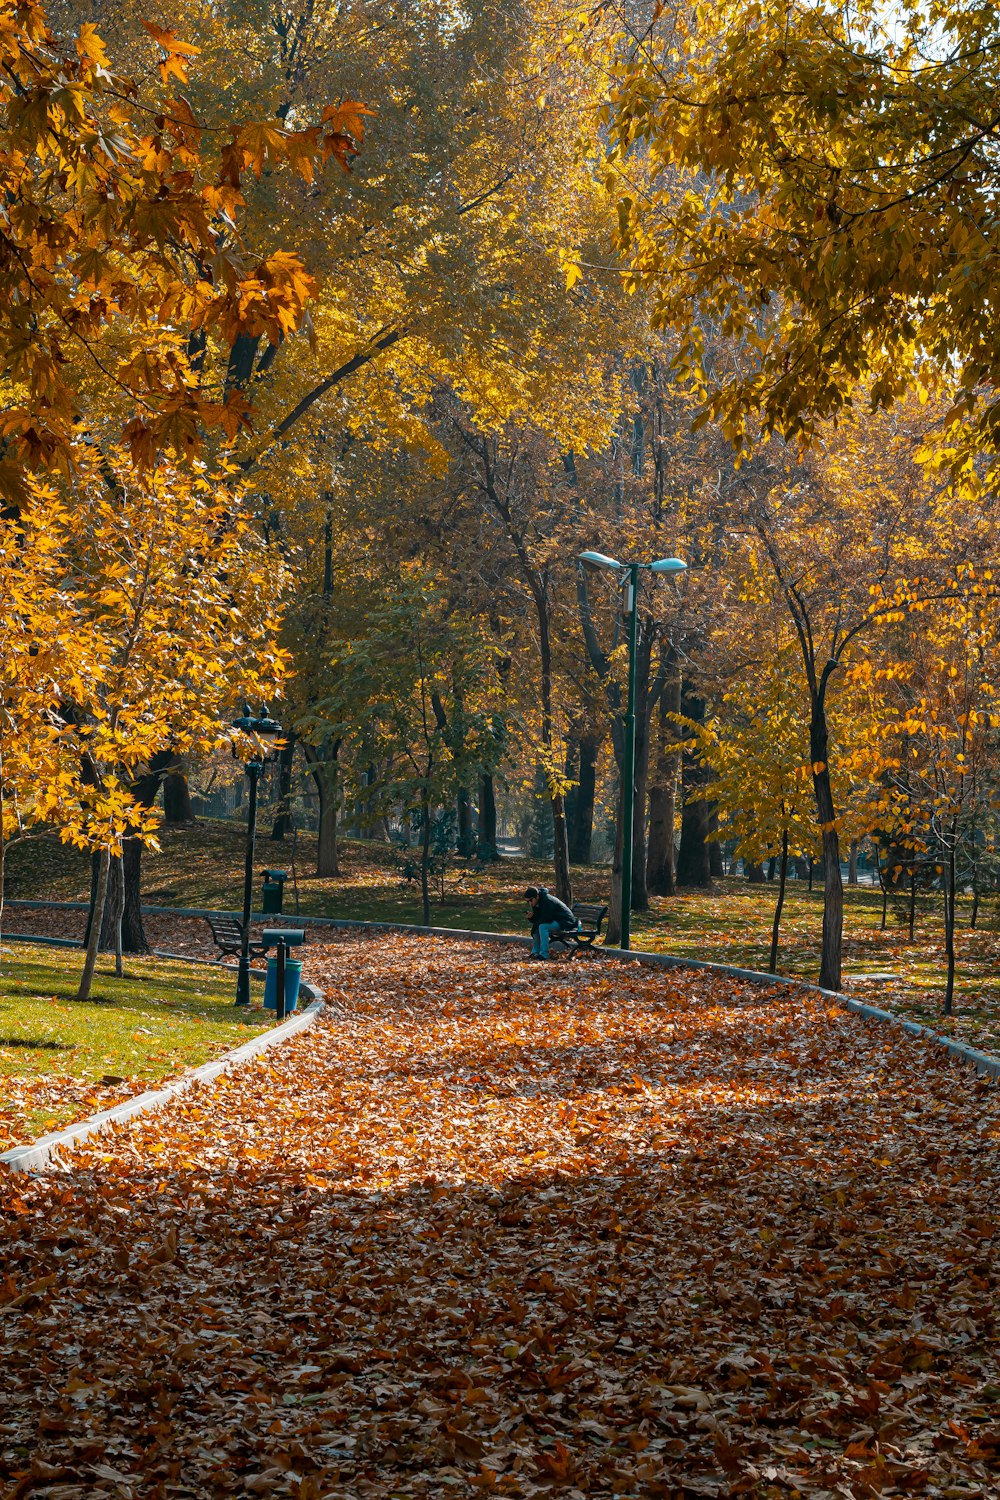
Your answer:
<point x="496" y="1228"/>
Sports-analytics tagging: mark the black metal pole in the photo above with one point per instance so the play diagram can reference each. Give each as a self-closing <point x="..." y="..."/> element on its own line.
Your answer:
<point x="243" y="978"/>
<point x="280" y="997"/>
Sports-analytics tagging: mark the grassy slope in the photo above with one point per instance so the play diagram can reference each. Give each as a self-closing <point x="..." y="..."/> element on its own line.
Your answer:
<point x="56" y="1055"/>
<point x="203" y="866"/>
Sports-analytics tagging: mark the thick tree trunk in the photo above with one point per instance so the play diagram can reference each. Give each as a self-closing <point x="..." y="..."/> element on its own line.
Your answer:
<point x="132" y="931"/>
<point x="644" y="652"/>
<point x="772" y="966"/>
<point x="177" y="806"/>
<point x="663" y="795"/>
<point x="487" y="829"/>
<point x="693" y="865"/>
<point x="100" y="894"/>
<point x="114" y="911"/>
<point x="614" y="930"/>
<point x="144" y="790"/>
<point x="282" y="825"/>
<point x="580" y="825"/>
<point x="755" y="872"/>
<point x="327" y="849"/>
<point x="324" y="774"/>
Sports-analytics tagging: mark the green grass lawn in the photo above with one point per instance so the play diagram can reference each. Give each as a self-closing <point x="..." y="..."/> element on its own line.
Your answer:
<point x="202" y="865"/>
<point x="60" y="1060"/>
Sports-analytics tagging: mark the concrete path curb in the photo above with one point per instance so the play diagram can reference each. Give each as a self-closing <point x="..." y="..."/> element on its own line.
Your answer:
<point x="36" y="1156"/>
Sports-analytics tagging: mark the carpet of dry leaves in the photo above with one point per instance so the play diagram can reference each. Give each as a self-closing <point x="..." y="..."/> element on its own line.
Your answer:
<point x="500" y="1228"/>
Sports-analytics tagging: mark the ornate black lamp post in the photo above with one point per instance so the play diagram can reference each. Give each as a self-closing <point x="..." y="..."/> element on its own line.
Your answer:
<point x="263" y="731"/>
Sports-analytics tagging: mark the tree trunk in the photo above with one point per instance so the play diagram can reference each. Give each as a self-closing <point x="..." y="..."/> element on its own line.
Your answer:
<point x="755" y="872"/>
<point x="425" y="860"/>
<point x="951" y="891"/>
<point x="132" y="932"/>
<point x="693" y="866"/>
<point x="3" y="850"/>
<point x="663" y="795"/>
<point x="324" y="774"/>
<point x="580" y="827"/>
<point x="833" y="886"/>
<point x="644" y="652"/>
<point x="614" y="932"/>
<point x="772" y="966"/>
<point x="913" y="900"/>
<point x="144" y="790"/>
<point x="100" y="894"/>
<point x="114" y="911"/>
<point x="487" y="829"/>
<point x="464" y="840"/>
<point x="560" y="845"/>
<point x="177" y="799"/>
<point x="852" y="863"/>
<point x="772" y="867"/>
<point x="282" y="825"/>
<point x="882" y="886"/>
<point x="715" y="868"/>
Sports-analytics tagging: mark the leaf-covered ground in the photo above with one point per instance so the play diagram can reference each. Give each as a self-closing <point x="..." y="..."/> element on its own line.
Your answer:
<point x="202" y="865"/>
<point x="501" y="1228"/>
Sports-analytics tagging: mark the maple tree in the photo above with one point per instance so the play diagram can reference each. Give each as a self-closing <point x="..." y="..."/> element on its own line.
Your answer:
<point x="818" y="182"/>
<point x="758" y="757"/>
<point x="91" y="697"/>
<point x="937" y="732"/>
<point x="123" y="255"/>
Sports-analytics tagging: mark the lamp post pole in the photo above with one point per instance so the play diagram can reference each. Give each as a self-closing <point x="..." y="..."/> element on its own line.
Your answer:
<point x="630" y="573"/>
<point x="628" y="769"/>
<point x="253" y="771"/>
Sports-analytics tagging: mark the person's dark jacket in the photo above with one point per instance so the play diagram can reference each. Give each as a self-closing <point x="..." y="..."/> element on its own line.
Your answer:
<point x="549" y="908"/>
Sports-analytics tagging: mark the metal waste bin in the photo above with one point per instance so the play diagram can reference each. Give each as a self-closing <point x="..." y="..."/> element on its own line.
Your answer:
<point x="293" y="974"/>
<point x="274" y="892"/>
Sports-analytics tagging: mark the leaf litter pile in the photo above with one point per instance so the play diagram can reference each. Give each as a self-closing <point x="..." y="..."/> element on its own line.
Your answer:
<point x="499" y="1228"/>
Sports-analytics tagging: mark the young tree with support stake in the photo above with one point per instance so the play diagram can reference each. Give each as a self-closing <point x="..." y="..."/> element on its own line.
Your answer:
<point x="165" y="599"/>
<point x="756" y="755"/>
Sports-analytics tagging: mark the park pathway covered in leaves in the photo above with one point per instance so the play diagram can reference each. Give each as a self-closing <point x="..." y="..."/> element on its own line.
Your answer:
<point x="514" y="1229"/>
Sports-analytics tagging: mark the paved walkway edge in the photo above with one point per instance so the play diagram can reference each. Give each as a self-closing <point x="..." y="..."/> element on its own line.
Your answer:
<point x="983" y="1062"/>
<point x="39" y="1154"/>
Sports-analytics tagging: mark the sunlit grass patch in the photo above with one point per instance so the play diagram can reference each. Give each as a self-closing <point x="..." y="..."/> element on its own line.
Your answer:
<point x="60" y="1060"/>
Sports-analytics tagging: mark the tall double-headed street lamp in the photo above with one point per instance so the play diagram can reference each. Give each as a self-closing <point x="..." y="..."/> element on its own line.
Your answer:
<point x="263" y="732"/>
<point x="628" y="573"/>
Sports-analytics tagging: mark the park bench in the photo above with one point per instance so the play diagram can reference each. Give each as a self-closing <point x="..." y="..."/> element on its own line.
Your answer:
<point x="227" y="934"/>
<point x="590" y="919"/>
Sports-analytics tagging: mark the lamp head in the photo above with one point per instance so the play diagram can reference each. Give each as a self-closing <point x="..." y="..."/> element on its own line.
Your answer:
<point x="668" y="565"/>
<point x="598" y="560"/>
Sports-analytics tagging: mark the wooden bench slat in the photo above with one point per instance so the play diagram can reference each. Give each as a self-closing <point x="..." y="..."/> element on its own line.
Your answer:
<point x="227" y="934"/>
<point x="590" y="916"/>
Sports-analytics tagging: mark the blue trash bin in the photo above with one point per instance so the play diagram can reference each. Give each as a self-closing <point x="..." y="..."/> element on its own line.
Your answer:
<point x="293" y="974"/>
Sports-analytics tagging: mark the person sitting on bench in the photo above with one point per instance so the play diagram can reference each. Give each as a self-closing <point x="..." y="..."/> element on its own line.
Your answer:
<point x="549" y="917"/>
